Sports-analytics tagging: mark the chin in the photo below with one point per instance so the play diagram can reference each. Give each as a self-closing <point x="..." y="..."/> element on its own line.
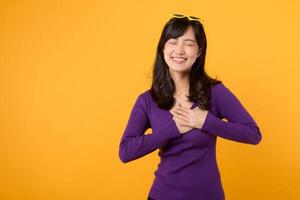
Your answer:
<point x="179" y="70"/>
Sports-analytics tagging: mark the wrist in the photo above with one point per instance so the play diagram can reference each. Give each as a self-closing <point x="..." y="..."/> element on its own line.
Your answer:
<point x="204" y="118"/>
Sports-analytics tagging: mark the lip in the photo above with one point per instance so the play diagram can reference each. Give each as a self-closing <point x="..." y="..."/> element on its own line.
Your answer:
<point x="179" y="60"/>
<point x="178" y="57"/>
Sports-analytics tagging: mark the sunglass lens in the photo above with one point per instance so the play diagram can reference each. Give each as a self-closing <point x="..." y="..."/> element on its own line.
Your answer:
<point x="178" y="15"/>
<point x="194" y="17"/>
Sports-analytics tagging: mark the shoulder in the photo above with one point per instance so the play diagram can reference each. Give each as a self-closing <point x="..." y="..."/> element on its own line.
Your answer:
<point x="221" y="93"/>
<point x="144" y="98"/>
<point x="219" y="88"/>
<point x="144" y="95"/>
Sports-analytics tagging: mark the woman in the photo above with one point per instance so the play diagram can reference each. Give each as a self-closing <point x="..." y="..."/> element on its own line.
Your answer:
<point x="184" y="108"/>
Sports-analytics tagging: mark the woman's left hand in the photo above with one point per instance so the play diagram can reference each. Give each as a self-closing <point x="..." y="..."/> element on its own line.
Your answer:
<point x="192" y="117"/>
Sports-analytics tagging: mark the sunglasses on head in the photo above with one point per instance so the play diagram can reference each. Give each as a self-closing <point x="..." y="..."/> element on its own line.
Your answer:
<point x="191" y="18"/>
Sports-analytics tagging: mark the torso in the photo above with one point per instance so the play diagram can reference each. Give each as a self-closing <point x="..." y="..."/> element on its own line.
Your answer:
<point x="184" y="101"/>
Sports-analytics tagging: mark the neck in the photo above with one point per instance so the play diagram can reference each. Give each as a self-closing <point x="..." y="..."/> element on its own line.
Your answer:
<point x="181" y="83"/>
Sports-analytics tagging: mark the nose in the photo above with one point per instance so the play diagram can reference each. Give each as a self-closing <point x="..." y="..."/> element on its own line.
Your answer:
<point x="179" y="48"/>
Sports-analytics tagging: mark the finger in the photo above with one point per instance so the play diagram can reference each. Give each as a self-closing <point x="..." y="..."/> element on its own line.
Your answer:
<point x="178" y="112"/>
<point x="184" y="110"/>
<point x="181" y="112"/>
<point x="182" y="117"/>
<point x="172" y="111"/>
<point x="179" y="122"/>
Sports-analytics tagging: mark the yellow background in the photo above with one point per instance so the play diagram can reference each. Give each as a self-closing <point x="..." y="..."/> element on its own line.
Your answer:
<point x="70" y="72"/>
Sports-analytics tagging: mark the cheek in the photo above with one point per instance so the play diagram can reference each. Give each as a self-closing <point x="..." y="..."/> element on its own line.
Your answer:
<point x="166" y="57"/>
<point x="167" y="50"/>
<point x="193" y="57"/>
<point x="192" y="52"/>
<point x="166" y="53"/>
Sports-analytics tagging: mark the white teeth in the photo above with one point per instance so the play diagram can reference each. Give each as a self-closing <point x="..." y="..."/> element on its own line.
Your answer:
<point x="179" y="59"/>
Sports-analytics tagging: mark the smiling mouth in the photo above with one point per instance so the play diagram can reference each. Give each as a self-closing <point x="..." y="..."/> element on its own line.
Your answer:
<point x="178" y="59"/>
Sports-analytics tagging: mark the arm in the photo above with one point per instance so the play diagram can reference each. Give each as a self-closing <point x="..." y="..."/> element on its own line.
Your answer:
<point x="134" y="143"/>
<point x="240" y="127"/>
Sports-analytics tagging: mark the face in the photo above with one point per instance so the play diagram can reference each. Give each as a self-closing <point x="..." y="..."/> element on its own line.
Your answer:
<point x="180" y="53"/>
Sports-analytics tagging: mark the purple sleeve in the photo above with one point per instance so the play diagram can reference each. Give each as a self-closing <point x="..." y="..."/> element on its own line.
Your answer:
<point x="134" y="143"/>
<point x="240" y="127"/>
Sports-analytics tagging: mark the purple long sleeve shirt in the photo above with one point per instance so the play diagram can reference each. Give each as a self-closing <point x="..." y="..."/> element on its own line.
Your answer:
<point x="188" y="168"/>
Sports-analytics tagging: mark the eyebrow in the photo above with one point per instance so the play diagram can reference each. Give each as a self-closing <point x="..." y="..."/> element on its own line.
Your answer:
<point x="191" y="40"/>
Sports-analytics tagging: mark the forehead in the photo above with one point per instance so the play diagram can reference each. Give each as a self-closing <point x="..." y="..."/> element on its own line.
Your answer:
<point x="188" y="34"/>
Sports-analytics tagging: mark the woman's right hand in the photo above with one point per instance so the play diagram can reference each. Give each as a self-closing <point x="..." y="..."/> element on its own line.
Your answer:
<point x="182" y="129"/>
<point x="179" y="122"/>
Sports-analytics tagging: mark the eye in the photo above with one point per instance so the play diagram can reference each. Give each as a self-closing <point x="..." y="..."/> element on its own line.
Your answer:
<point x="190" y="44"/>
<point x="172" y="41"/>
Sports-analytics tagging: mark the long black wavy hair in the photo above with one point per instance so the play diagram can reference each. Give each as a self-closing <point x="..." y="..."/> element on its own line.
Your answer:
<point x="163" y="87"/>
